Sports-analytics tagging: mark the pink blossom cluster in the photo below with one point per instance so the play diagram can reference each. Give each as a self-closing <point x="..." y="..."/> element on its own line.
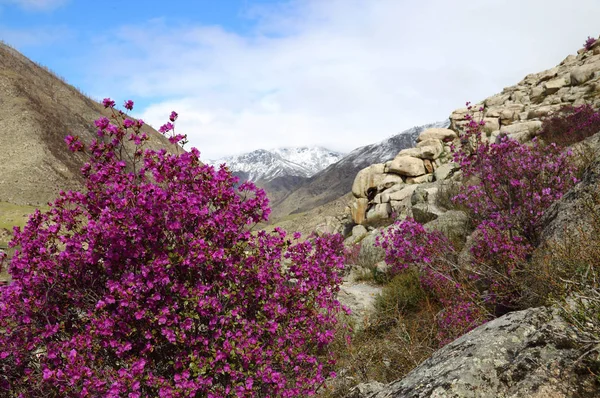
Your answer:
<point x="570" y="124"/>
<point x="408" y="245"/>
<point x="150" y="283"/>
<point x="512" y="184"/>
<point x="589" y="43"/>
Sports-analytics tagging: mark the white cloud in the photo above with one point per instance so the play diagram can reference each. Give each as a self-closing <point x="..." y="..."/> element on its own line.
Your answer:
<point x="36" y="5"/>
<point x="339" y="73"/>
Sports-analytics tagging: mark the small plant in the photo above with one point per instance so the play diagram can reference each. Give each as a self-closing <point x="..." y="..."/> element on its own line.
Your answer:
<point x="570" y="125"/>
<point x="589" y="43"/>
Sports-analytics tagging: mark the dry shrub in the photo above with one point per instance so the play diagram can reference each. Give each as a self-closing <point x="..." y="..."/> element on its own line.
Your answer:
<point x="402" y="334"/>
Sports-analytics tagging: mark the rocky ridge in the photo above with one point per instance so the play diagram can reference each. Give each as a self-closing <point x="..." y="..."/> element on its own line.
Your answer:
<point x="383" y="189"/>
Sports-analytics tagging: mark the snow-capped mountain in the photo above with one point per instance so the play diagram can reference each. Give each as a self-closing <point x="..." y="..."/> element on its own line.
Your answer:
<point x="336" y="180"/>
<point x="267" y="165"/>
<point x="388" y="148"/>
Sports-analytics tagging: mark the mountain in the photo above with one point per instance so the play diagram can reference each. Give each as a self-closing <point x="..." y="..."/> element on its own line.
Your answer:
<point x="37" y="110"/>
<point x="267" y="165"/>
<point x="336" y="180"/>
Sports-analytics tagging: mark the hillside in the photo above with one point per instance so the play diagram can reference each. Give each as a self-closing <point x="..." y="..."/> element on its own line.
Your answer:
<point x="37" y="110"/>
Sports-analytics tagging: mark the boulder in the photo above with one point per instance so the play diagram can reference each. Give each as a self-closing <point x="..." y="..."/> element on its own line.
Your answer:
<point x="378" y="213"/>
<point x="364" y="389"/>
<point x="522" y="132"/>
<point x="582" y="74"/>
<point x="453" y="223"/>
<point x="389" y="181"/>
<point x="445" y="171"/>
<point x="552" y="86"/>
<point x="358" y="232"/>
<point x="407" y="166"/>
<point x="430" y="149"/>
<point x="542" y="111"/>
<point x="437" y="134"/>
<point x="424" y="213"/>
<point x="420" y="180"/>
<point x="491" y="124"/>
<point x="399" y="195"/>
<point x="358" y="210"/>
<point x="521" y="354"/>
<point x="367" y="180"/>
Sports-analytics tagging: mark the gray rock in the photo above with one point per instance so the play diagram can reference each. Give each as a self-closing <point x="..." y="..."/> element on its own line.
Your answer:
<point x="378" y="213"/>
<point x="364" y="389"/>
<point x="453" y="223"/>
<point x="424" y="213"/>
<point x="521" y="354"/>
<point x="445" y="171"/>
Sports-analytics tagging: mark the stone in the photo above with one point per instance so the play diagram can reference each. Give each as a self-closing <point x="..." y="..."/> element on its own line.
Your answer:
<point x="453" y="223"/>
<point x="552" y="86"/>
<point x="424" y="213"/>
<point x="358" y="232"/>
<point x="364" y="389"/>
<point x="407" y="166"/>
<point x="491" y="124"/>
<point x="437" y="134"/>
<point x="523" y="131"/>
<point x="405" y="192"/>
<point x="584" y="73"/>
<point x="510" y="114"/>
<point x="389" y="181"/>
<point x="546" y="75"/>
<point x="414" y="152"/>
<point x="537" y="94"/>
<point x="430" y="149"/>
<point x="429" y="166"/>
<point x="358" y="210"/>
<point x="444" y="171"/>
<point x="498" y="99"/>
<point x="378" y="213"/>
<point x="367" y="180"/>
<point x="542" y="111"/>
<point x="420" y="180"/>
<point x="419" y="195"/>
<point x="521" y="354"/>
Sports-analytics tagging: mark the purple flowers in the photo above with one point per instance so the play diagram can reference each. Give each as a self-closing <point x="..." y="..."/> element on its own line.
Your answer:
<point x="589" y="43"/>
<point x="150" y="283"/>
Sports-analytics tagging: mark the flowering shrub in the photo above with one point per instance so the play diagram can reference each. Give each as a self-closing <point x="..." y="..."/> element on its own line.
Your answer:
<point x="589" y="43"/>
<point x="570" y="125"/>
<point x="409" y="247"/>
<point x="150" y="284"/>
<point x="514" y="183"/>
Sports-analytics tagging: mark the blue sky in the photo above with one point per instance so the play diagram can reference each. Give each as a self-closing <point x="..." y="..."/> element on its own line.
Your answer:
<point x="249" y="74"/>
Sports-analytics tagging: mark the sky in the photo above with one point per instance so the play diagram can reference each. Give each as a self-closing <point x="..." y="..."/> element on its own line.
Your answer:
<point x="250" y="74"/>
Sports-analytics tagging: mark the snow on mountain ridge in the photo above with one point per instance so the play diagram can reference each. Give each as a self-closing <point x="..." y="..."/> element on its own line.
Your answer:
<point x="266" y="165"/>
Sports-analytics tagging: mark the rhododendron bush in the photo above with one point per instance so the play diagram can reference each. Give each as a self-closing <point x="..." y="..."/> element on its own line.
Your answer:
<point x="151" y="283"/>
<point x="507" y="187"/>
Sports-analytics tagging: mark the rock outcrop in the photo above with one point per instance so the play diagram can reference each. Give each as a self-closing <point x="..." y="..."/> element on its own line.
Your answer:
<point x="518" y="111"/>
<point x="522" y="354"/>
